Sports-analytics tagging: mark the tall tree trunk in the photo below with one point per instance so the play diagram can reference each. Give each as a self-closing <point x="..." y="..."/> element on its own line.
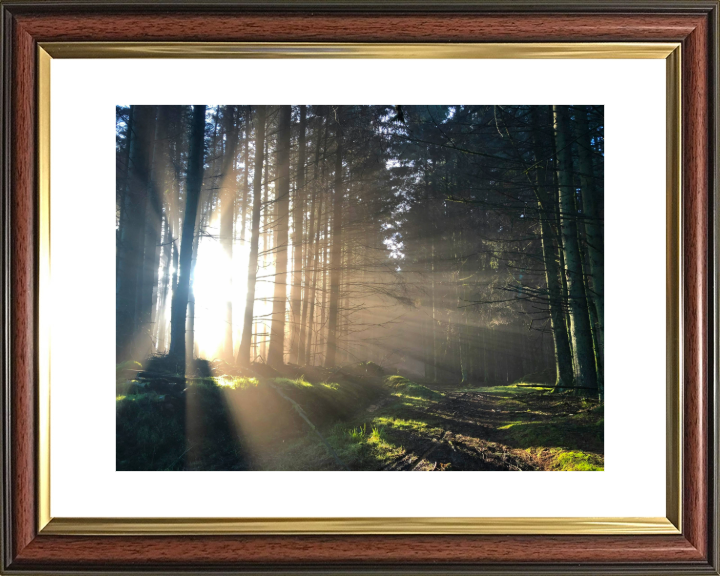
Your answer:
<point x="164" y="284"/>
<point x="311" y="295"/>
<point x="178" y="313"/>
<point x="246" y="178"/>
<point x="268" y="215"/>
<point x="324" y="270"/>
<point x="282" y="200"/>
<point x="433" y="370"/>
<point x="298" y="210"/>
<point x="580" y="330"/>
<point x="594" y="231"/>
<point x="132" y="240"/>
<point x="153" y="230"/>
<point x="122" y="199"/>
<point x="336" y="254"/>
<point x="243" y="356"/>
<point x="311" y="260"/>
<point x="546" y="209"/>
<point x="228" y="192"/>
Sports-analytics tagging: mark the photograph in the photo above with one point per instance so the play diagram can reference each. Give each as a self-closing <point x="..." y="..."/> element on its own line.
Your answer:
<point x="359" y="287"/>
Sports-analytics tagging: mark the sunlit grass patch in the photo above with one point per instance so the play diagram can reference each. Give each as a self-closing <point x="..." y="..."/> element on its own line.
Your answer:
<point x="357" y="433"/>
<point x="297" y="382"/>
<point x="236" y="382"/>
<point x="574" y="434"/>
<point x="407" y="388"/>
<point x="578" y="461"/>
<point x="364" y="447"/>
<point x="400" y="423"/>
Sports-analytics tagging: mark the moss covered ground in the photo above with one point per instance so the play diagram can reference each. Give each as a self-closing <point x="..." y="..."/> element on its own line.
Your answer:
<point x="353" y="418"/>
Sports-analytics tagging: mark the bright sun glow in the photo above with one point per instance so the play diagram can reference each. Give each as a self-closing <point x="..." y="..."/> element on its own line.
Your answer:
<point x="212" y="288"/>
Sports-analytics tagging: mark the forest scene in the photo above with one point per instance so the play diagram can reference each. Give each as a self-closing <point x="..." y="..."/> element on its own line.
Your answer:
<point x="359" y="287"/>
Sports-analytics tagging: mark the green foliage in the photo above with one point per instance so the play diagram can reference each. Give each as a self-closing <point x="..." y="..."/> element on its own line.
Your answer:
<point x="357" y="433"/>
<point x="214" y="423"/>
<point x="578" y="461"/>
<point x="149" y="435"/>
<point x="297" y="382"/>
<point x="405" y="388"/>
<point x="236" y="382"/>
<point x="241" y="422"/>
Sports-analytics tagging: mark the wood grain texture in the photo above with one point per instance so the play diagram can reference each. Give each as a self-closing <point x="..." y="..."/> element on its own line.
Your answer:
<point x="666" y="554"/>
<point x="321" y="27"/>
<point x="222" y="552"/>
<point x="22" y="291"/>
<point x="696" y="190"/>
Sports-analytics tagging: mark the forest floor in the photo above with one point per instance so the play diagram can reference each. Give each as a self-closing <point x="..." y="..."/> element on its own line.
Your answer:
<point x="354" y="418"/>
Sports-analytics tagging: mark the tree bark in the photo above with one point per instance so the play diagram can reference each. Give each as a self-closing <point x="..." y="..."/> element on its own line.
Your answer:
<point x="311" y="260"/>
<point x="546" y="209"/>
<point x="580" y="330"/>
<point x="132" y="240"/>
<point x="297" y="272"/>
<point x="594" y="232"/>
<point x="246" y="177"/>
<point x="164" y="284"/>
<point x="228" y="192"/>
<point x="336" y="253"/>
<point x="276" y="350"/>
<point x="243" y="356"/>
<point x="178" y="314"/>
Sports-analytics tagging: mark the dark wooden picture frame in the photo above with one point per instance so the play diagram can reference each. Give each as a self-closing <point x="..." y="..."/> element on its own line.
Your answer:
<point x="693" y="24"/>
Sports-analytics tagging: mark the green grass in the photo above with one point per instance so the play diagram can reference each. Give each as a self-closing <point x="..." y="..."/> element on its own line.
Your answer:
<point x="369" y="441"/>
<point x="241" y="422"/>
<point x="564" y="441"/>
<point x="579" y="461"/>
<point x="236" y="382"/>
<point x="227" y="422"/>
<point x="297" y="382"/>
<point x="509" y="390"/>
<point x="404" y="388"/>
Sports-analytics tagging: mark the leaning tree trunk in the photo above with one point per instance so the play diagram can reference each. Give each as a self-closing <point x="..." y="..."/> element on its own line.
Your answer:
<point x="336" y="253"/>
<point x="594" y="232"/>
<point x="276" y="350"/>
<point x="546" y="209"/>
<point x="243" y="356"/>
<point x="298" y="209"/>
<point x="580" y="329"/>
<point x="178" y="313"/>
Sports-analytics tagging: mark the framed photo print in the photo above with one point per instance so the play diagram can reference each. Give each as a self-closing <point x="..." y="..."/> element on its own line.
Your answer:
<point x="265" y="264"/>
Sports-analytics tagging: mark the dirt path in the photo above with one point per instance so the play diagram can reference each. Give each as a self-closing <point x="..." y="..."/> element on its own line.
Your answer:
<point x="466" y="438"/>
<point x="515" y="430"/>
